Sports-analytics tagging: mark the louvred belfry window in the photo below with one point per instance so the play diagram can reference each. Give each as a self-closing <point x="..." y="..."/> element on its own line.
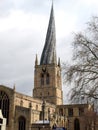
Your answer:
<point x="42" y="79"/>
<point x="47" y="79"/>
<point x="4" y="105"/>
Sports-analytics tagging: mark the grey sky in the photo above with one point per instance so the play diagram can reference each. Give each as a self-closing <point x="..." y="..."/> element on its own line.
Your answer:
<point x="23" y="26"/>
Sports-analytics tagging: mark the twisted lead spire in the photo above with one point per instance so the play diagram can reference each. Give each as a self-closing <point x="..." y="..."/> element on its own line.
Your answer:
<point x="49" y="52"/>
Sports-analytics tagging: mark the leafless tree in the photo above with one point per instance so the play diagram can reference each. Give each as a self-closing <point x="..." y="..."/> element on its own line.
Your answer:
<point x="82" y="73"/>
<point x="89" y="120"/>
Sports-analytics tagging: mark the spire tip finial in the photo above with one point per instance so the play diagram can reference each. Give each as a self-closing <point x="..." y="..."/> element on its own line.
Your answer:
<point x="36" y="60"/>
<point x="52" y="1"/>
<point x="14" y="87"/>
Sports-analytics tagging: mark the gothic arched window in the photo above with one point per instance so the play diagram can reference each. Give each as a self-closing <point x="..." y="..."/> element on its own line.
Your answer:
<point x="47" y="79"/>
<point x="4" y="105"/>
<point x="42" y="79"/>
<point x="21" y="123"/>
<point x="76" y="124"/>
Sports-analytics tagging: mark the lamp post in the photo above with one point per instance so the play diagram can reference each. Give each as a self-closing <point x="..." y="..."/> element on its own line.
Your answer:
<point x="67" y="123"/>
<point x="64" y="121"/>
<point x="49" y="115"/>
<point x="43" y="111"/>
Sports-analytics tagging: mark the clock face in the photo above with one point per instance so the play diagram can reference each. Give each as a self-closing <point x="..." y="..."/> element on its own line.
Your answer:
<point x="44" y="69"/>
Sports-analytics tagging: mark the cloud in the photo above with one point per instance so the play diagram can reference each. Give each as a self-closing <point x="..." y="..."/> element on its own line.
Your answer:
<point x="23" y="26"/>
<point x="20" y="20"/>
<point x="65" y="23"/>
<point x="18" y="40"/>
<point x="89" y="2"/>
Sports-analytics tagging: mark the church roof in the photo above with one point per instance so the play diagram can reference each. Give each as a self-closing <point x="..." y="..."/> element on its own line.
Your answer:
<point x="49" y="52"/>
<point x="41" y="122"/>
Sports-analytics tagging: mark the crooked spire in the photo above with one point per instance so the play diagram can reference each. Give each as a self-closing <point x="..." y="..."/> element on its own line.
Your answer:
<point x="49" y="52"/>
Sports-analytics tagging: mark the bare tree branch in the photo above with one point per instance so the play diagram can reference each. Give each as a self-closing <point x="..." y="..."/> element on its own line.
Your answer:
<point x="83" y="73"/>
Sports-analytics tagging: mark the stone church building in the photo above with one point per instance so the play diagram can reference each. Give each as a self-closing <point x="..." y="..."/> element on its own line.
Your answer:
<point x="21" y="111"/>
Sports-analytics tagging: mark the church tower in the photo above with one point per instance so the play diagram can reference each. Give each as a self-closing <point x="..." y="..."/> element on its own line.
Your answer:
<point x="47" y="76"/>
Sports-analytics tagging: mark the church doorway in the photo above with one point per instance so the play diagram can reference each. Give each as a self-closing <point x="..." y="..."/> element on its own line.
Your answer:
<point x="76" y="124"/>
<point x="22" y="123"/>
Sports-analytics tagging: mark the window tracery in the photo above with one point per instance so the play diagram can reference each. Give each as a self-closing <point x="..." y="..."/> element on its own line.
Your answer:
<point x="4" y="105"/>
